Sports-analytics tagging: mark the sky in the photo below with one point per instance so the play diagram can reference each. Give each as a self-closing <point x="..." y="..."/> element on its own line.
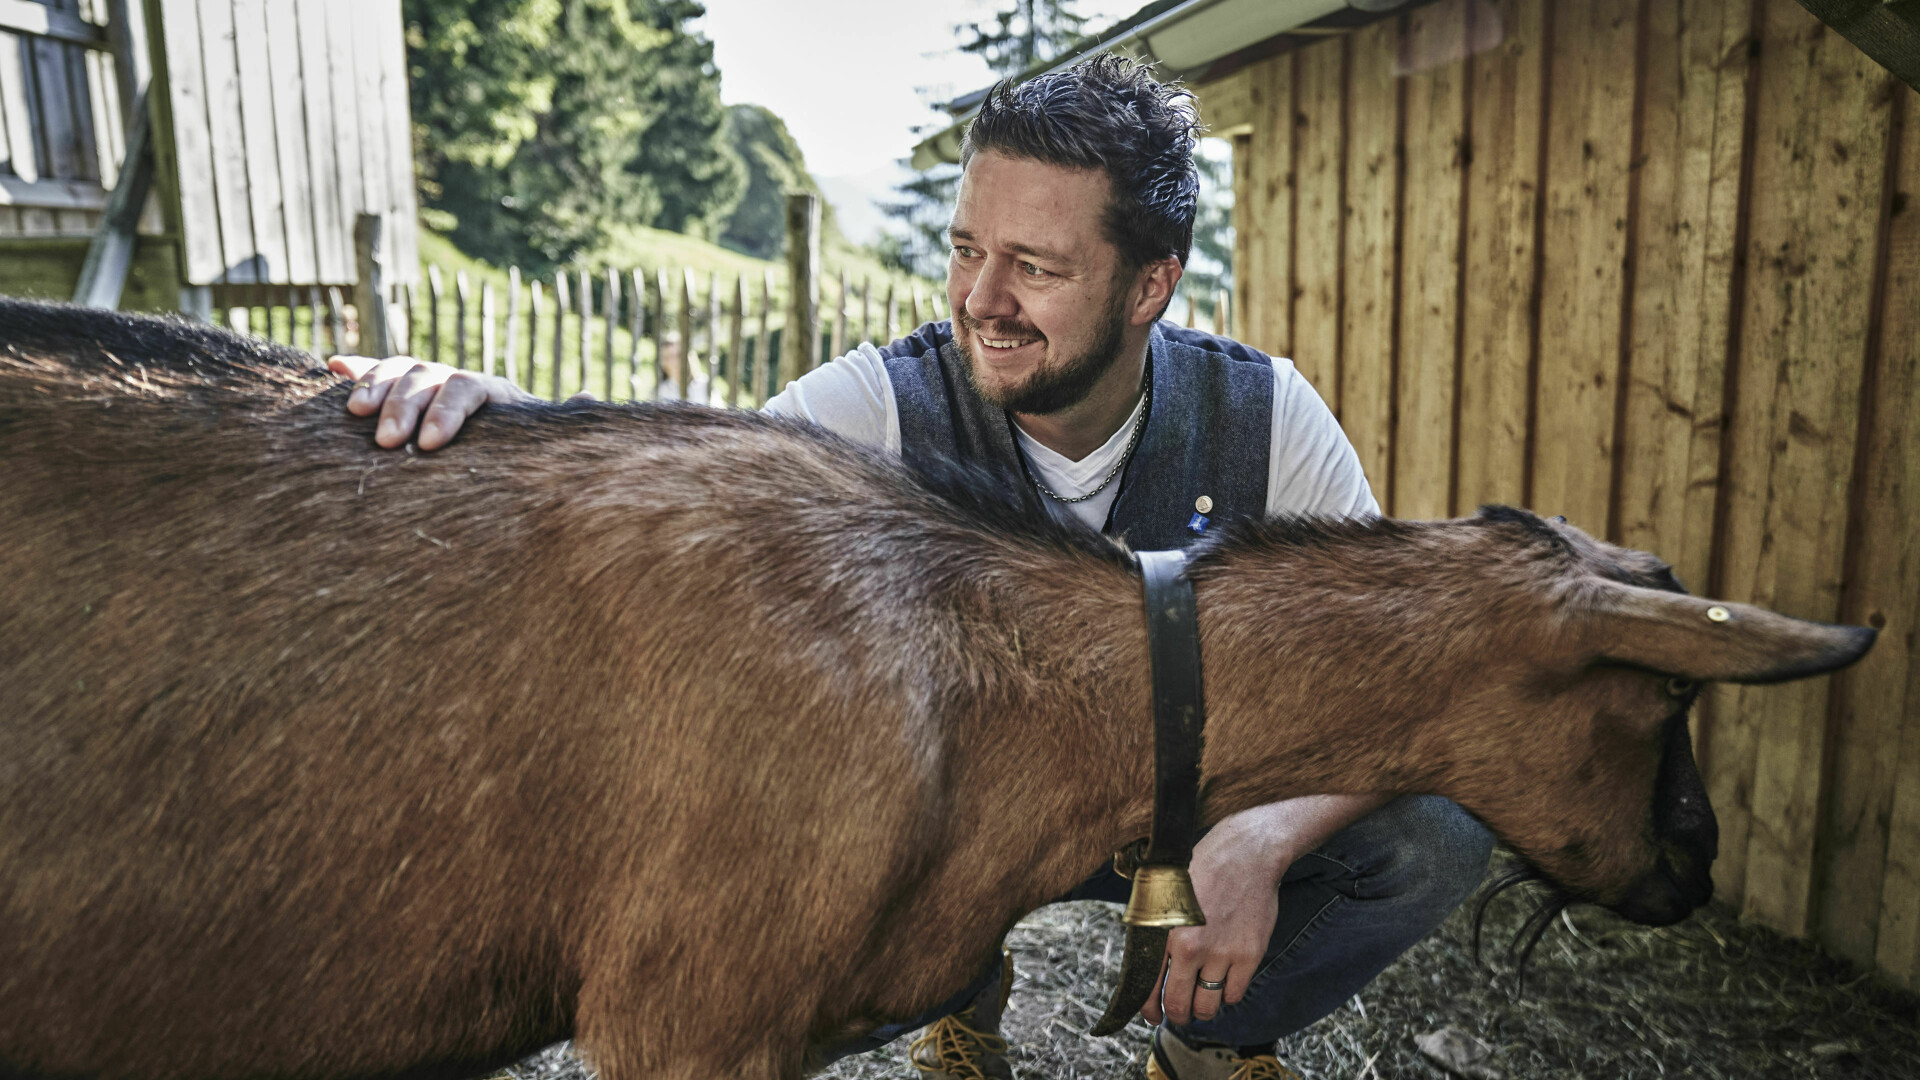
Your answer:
<point x="853" y="78"/>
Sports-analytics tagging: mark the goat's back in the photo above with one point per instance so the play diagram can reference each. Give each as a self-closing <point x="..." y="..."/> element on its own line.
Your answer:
<point x="384" y="741"/>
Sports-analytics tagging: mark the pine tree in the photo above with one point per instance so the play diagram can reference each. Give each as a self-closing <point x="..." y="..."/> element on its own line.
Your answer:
<point x="1024" y="35"/>
<point x="541" y="122"/>
<point x="1012" y="41"/>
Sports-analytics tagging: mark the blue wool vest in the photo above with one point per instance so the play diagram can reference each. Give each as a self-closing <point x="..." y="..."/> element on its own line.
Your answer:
<point x="1209" y="430"/>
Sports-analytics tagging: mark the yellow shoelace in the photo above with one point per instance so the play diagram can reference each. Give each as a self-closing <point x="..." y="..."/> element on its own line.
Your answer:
<point x="949" y="1045"/>
<point x="1262" y="1067"/>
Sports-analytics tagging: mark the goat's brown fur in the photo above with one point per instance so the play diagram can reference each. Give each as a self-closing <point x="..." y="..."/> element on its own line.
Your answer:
<point x="704" y="736"/>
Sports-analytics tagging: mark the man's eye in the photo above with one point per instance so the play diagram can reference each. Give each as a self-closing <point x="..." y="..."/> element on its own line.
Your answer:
<point x="963" y="252"/>
<point x="1031" y="270"/>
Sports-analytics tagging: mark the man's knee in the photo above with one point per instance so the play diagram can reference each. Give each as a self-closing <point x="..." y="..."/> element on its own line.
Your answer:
<point x="1420" y="850"/>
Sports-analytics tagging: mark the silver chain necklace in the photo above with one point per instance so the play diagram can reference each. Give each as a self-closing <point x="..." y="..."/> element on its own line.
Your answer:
<point x="1133" y="440"/>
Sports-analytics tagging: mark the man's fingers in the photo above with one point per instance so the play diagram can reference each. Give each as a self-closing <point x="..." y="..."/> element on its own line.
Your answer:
<point x="1151" y="1010"/>
<point x="1176" y="994"/>
<point x="371" y="386"/>
<point x="1206" y="1002"/>
<point x="351" y="366"/>
<point x="408" y="397"/>
<point x="459" y="398"/>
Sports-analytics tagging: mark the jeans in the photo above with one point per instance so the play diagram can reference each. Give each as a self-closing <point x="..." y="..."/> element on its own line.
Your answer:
<point x="1347" y="910"/>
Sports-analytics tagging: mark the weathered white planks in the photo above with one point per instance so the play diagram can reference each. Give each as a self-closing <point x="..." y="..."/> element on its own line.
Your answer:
<point x="290" y="119"/>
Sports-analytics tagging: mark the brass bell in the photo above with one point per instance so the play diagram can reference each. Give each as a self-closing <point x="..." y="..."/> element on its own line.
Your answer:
<point x="1163" y="896"/>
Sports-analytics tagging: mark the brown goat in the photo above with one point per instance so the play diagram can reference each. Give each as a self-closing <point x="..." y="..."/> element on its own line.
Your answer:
<point x="702" y="736"/>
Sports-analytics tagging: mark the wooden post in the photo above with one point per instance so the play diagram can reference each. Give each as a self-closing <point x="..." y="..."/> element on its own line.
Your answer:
<point x="801" y="343"/>
<point x="462" y="296"/>
<point x="763" y="375"/>
<point x="512" y="366"/>
<point x="636" y="306"/>
<point x="337" y="319"/>
<point x="316" y="316"/>
<point x="434" y="285"/>
<point x="370" y="289"/>
<point x="533" y="331"/>
<point x="612" y="316"/>
<point x="838" y="347"/>
<point x="561" y="303"/>
<point x="913" y="310"/>
<point x="1222" y="315"/>
<point x="717" y="364"/>
<point x="866" y="309"/>
<point x="1191" y="316"/>
<point x="586" y="327"/>
<point x="487" y="341"/>
<point x="685" y="379"/>
<point x="888" y="319"/>
<point x="737" y="343"/>
<point x="662" y="371"/>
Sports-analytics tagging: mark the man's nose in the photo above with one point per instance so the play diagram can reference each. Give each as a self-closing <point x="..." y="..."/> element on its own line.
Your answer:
<point x="991" y="296"/>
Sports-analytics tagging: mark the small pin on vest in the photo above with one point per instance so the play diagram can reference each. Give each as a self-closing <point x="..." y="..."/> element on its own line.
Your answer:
<point x="1198" y="522"/>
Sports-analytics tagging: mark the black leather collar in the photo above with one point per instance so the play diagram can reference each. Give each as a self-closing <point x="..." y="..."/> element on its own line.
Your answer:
<point x="1162" y="893"/>
<point x="1179" y="708"/>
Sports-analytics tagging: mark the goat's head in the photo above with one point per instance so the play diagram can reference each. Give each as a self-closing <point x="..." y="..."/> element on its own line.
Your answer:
<point x="1538" y="677"/>
<point x="1606" y="802"/>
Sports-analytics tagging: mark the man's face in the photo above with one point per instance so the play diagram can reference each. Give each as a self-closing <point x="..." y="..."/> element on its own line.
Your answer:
<point x="1038" y="293"/>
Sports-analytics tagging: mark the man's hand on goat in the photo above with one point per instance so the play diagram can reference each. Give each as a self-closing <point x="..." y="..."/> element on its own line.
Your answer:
<point x="411" y="395"/>
<point x="1236" y="871"/>
<point x="1236" y="875"/>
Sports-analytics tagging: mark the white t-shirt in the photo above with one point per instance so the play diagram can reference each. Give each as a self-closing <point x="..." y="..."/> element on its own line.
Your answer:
<point x="1311" y="467"/>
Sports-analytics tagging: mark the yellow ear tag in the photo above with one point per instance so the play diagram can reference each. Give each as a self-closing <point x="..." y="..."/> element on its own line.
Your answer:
<point x="1716" y="613"/>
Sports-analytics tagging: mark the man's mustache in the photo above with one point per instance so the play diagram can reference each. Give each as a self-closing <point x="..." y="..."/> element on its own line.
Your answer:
<point x="999" y="329"/>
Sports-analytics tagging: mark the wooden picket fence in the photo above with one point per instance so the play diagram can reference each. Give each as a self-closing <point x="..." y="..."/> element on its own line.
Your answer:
<point x="615" y="333"/>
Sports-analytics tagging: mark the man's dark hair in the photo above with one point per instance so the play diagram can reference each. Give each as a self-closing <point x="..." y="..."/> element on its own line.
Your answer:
<point x="1107" y="113"/>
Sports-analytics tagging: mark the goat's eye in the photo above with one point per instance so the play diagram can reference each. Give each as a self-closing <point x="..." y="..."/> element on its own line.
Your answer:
<point x="1679" y="687"/>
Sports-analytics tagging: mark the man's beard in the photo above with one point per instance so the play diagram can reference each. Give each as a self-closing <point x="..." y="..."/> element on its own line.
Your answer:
<point x="1049" y="389"/>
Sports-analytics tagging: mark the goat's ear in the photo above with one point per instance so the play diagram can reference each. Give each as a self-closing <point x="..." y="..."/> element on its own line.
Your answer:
<point x="1713" y="640"/>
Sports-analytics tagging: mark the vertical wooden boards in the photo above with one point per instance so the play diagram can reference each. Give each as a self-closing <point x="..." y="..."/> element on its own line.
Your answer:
<point x="221" y="71"/>
<point x="366" y="51"/>
<point x="259" y="146"/>
<point x="1499" y="305"/>
<point x="1692" y="137"/>
<point x="1889" y="570"/>
<point x="1436" y="138"/>
<point x="18" y="122"/>
<point x="1264" y="240"/>
<point x="1867" y="891"/>
<point x="1821" y="120"/>
<point x="1319" y="148"/>
<point x="178" y="27"/>
<point x="397" y="118"/>
<point x="332" y="237"/>
<point x="1589" y="146"/>
<point x="290" y="138"/>
<point x="336" y="65"/>
<point x="1368" y="269"/>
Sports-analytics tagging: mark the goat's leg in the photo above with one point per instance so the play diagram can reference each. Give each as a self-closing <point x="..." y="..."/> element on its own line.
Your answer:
<point x="683" y="1032"/>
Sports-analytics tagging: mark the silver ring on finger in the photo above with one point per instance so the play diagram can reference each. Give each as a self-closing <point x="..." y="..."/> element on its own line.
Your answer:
<point x="1205" y="985"/>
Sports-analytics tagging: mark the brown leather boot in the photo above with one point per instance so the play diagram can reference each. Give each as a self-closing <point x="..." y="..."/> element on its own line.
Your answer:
<point x="967" y="1045"/>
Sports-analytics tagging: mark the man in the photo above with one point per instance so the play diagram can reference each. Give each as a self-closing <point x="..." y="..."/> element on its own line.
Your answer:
<point x="1073" y="222"/>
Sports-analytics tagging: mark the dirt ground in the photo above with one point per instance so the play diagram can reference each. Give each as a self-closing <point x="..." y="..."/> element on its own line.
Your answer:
<point x="1602" y="999"/>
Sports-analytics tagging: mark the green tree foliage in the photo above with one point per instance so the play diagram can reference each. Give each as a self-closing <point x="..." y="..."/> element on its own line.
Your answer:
<point x="774" y="166"/>
<point x="1012" y="41"/>
<point x="1025" y="34"/>
<point x="542" y="122"/>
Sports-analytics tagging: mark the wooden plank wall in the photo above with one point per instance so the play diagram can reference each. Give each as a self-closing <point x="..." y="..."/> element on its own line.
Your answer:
<point x="287" y="119"/>
<point x="1654" y="266"/>
<point x="61" y="138"/>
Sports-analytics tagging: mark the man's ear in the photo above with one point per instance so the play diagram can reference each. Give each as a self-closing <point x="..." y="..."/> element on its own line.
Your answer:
<point x="1153" y="290"/>
<point x="1713" y="640"/>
